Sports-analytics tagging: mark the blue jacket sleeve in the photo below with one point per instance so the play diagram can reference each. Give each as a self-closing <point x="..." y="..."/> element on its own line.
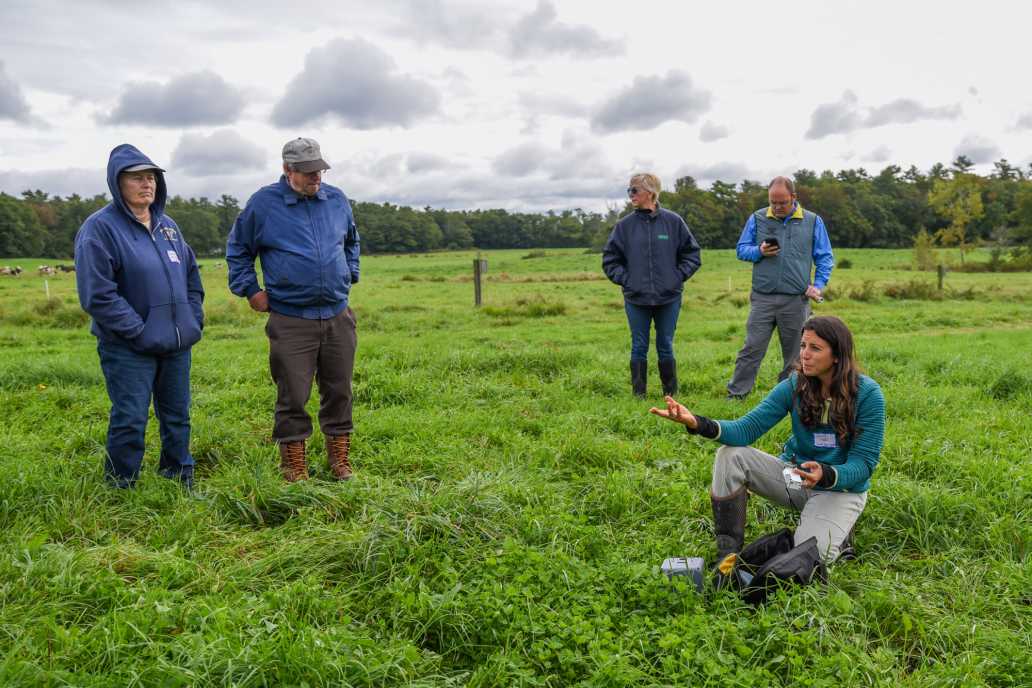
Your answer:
<point x="822" y="255"/>
<point x="241" y="251"/>
<point x="748" y="249"/>
<point x="194" y="287"/>
<point x="753" y="425"/>
<point x="614" y="260"/>
<point x="865" y="453"/>
<point x="95" y="269"/>
<point x="689" y="255"/>
<point x="351" y="250"/>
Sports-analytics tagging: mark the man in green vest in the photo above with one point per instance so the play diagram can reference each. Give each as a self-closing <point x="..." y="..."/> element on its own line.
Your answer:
<point x="784" y="243"/>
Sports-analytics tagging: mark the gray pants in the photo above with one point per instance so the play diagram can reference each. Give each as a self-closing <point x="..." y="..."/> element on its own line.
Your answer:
<point x="300" y="350"/>
<point x="787" y="312"/>
<point x="828" y="516"/>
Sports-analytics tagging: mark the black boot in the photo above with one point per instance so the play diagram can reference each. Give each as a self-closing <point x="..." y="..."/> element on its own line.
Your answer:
<point x="729" y="522"/>
<point x="848" y="551"/>
<point x="639" y="377"/>
<point x="668" y="376"/>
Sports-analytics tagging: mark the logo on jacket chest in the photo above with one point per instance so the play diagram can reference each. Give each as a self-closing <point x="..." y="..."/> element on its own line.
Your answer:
<point x="169" y="233"/>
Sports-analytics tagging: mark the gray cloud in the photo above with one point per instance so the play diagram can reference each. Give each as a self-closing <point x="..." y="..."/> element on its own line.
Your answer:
<point x="835" y="118"/>
<point x="200" y="98"/>
<point x="905" y="111"/>
<point x="978" y="149"/>
<point x="356" y="82"/>
<point x="520" y="161"/>
<point x="879" y="154"/>
<point x="85" y="182"/>
<point x="721" y="171"/>
<point x="418" y="163"/>
<point x="13" y="105"/>
<point x="1024" y="121"/>
<point x="713" y="132"/>
<point x="540" y="33"/>
<point x="455" y="26"/>
<point x="223" y="152"/>
<point x="552" y="104"/>
<point x="650" y="101"/>
<point x="847" y="115"/>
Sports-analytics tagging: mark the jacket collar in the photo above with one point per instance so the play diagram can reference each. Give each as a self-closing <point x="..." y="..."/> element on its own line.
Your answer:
<point x="651" y="213"/>
<point x="797" y="214"/>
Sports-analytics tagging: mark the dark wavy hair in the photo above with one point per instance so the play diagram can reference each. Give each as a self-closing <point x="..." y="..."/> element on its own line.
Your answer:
<point x="845" y="380"/>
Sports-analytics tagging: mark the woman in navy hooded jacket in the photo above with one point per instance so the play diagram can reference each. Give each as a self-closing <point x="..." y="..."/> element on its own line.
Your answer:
<point x="651" y="253"/>
<point x="138" y="280"/>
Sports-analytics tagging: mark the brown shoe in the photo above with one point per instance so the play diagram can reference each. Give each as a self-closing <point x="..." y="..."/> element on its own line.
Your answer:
<point x="337" y="447"/>
<point x="292" y="461"/>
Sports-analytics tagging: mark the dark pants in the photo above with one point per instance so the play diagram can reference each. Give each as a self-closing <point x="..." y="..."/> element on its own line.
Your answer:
<point x="640" y="319"/>
<point x="787" y="312"/>
<point x="133" y="379"/>
<point x="300" y="350"/>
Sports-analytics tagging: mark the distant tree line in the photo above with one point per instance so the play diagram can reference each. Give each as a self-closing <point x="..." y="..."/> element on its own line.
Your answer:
<point x="948" y="206"/>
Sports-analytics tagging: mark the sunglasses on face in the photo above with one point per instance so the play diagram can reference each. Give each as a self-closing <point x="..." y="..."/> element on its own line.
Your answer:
<point x="631" y="191"/>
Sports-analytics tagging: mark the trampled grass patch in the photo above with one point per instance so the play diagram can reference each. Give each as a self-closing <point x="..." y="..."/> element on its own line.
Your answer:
<point x="512" y="500"/>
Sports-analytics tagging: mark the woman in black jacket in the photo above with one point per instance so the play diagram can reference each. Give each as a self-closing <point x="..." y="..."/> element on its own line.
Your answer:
<point x="650" y="253"/>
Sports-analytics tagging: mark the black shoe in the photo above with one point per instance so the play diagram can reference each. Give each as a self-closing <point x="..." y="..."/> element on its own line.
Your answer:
<point x="735" y="397"/>
<point x="848" y="551"/>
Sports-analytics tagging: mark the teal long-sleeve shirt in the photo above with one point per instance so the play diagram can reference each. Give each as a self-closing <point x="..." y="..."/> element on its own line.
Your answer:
<point x="854" y="464"/>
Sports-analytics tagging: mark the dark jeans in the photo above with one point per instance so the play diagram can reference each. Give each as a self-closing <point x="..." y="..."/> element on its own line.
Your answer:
<point x="300" y="350"/>
<point x="133" y="380"/>
<point x="640" y="319"/>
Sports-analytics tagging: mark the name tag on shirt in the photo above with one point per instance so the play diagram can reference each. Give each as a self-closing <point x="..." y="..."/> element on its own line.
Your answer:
<point x="662" y="236"/>
<point x="172" y="256"/>
<point x="825" y="440"/>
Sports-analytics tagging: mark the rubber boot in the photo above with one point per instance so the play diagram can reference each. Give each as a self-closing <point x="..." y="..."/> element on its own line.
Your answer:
<point x="337" y="449"/>
<point x="729" y="522"/>
<point x="639" y="378"/>
<point x="668" y="376"/>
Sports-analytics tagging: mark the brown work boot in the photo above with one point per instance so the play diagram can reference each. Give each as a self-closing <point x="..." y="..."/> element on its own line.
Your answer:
<point x="337" y="447"/>
<point x="292" y="461"/>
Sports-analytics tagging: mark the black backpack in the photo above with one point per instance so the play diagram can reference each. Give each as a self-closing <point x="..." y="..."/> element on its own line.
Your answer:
<point x="773" y="561"/>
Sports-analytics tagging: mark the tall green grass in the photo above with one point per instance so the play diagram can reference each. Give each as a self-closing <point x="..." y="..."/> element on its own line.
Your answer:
<point x="512" y="501"/>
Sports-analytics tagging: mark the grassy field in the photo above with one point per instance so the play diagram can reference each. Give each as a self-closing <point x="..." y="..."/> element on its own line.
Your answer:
<point x="513" y="501"/>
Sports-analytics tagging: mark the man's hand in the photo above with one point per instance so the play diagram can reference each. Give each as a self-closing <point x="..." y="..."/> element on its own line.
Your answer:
<point x="259" y="302"/>
<point x="814" y="293"/>
<point x="768" y="250"/>
<point x="813" y="475"/>
<point x="676" y="412"/>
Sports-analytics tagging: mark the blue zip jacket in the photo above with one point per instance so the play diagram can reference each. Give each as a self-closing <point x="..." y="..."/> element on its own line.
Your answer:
<point x="308" y="249"/>
<point x="651" y="255"/>
<point x="853" y="463"/>
<point x="140" y="284"/>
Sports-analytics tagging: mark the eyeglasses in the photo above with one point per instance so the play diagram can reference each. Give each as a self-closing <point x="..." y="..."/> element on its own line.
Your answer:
<point x="631" y="191"/>
<point x="782" y="204"/>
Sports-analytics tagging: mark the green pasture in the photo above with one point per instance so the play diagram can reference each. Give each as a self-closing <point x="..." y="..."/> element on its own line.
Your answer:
<point x="513" y="501"/>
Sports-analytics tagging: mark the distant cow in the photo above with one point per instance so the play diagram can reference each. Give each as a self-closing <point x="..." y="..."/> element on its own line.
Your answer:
<point x="65" y="268"/>
<point x="45" y="270"/>
<point x="12" y="271"/>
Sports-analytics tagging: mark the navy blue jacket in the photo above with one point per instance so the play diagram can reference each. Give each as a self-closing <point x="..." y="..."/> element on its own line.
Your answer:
<point x="650" y="255"/>
<point x="308" y="248"/>
<point x="140" y="284"/>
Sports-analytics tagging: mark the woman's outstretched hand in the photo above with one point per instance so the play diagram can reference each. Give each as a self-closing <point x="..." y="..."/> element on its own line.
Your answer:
<point x="676" y="412"/>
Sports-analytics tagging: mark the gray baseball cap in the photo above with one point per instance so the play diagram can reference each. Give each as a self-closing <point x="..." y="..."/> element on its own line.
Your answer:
<point x="141" y="168"/>
<point x="304" y="155"/>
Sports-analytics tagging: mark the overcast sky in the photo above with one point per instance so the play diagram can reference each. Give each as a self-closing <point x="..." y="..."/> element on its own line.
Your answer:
<point x="522" y="105"/>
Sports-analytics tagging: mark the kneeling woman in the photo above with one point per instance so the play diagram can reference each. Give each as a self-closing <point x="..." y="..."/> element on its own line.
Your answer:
<point x="838" y="425"/>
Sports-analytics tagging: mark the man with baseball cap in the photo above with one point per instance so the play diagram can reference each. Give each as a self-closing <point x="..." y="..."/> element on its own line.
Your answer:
<point x="304" y="234"/>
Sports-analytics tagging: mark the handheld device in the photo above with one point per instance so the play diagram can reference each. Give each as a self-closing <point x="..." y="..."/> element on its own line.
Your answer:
<point x="793" y="480"/>
<point x="772" y="241"/>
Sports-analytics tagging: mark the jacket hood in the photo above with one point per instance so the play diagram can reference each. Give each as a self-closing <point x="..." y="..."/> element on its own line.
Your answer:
<point x="125" y="156"/>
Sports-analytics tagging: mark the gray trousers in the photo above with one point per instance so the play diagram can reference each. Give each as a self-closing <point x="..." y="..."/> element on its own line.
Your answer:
<point x="300" y="350"/>
<point x="787" y="312"/>
<point x="828" y="516"/>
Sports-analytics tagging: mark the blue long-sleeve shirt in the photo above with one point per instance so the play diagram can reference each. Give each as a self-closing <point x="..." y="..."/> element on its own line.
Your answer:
<point x="748" y="248"/>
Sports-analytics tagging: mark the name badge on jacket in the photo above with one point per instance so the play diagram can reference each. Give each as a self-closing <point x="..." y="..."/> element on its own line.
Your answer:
<point x="826" y="440"/>
<point x="172" y="256"/>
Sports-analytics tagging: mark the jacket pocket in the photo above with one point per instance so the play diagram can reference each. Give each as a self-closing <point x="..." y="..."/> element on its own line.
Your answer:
<point x="189" y="327"/>
<point x="159" y="331"/>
